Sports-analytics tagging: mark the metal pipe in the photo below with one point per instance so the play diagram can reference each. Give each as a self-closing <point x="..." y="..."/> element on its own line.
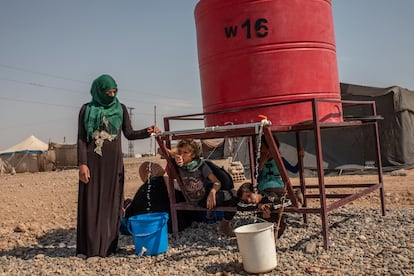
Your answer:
<point x="210" y="129"/>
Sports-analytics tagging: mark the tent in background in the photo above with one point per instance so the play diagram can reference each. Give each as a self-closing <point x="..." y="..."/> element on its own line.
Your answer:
<point x="30" y="155"/>
<point x="223" y="148"/>
<point x="30" y="144"/>
<point x="65" y="155"/>
<point x="396" y="130"/>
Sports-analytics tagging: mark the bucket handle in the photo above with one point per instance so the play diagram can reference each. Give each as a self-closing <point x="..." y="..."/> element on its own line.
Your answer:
<point x="146" y="234"/>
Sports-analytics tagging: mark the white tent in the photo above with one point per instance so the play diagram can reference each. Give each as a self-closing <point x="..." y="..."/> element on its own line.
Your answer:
<point x="30" y="155"/>
<point x="30" y="144"/>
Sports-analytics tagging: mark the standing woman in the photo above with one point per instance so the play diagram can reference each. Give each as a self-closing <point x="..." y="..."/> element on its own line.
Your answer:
<point x="101" y="168"/>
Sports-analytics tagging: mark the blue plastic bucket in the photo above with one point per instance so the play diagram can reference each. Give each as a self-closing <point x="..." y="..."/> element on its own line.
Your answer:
<point x="150" y="232"/>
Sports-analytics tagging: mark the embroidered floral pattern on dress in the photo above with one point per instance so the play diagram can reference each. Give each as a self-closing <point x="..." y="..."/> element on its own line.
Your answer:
<point x="101" y="135"/>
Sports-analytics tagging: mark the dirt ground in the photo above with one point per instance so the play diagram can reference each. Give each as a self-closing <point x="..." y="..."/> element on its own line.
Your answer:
<point x="49" y="199"/>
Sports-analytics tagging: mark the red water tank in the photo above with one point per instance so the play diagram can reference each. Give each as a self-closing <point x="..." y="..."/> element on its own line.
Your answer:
<point x="256" y="52"/>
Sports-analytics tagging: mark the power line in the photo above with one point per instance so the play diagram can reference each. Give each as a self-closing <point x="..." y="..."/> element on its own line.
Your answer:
<point x="38" y="102"/>
<point x="130" y="142"/>
<point x="37" y="123"/>
<point x="57" y="105"/>
<point x="74" y="91"/>
<point x="41" y="85"/>
<point x="15" y="68"/>
<point x="39" y="73"/>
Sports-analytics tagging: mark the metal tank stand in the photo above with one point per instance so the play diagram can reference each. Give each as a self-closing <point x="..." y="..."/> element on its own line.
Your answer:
<point x="325" y="201"/>
<point x="336" y="200"/>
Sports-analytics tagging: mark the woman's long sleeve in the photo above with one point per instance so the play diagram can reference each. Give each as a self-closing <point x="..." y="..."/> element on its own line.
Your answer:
<point x="127" y="129"/>
<point x="82" y="142"/>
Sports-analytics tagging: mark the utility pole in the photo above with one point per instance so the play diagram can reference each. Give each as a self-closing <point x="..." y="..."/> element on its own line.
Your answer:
<point x="155" y="123"/>
<point x="131" y="143"/>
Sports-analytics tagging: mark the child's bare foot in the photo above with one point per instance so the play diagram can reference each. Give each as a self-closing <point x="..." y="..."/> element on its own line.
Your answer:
<point x="225" y="228"/>
<point x="300" y="197"/>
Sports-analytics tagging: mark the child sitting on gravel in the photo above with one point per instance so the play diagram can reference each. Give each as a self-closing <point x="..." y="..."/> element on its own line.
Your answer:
<point x="152" y="195"/>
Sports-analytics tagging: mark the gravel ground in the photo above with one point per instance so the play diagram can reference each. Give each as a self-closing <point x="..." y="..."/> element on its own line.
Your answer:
<point x="363" y="242"/>
<point x="38" y="237"/>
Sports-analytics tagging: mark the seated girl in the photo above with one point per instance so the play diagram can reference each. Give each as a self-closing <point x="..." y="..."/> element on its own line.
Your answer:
<point x="201" y="185"/>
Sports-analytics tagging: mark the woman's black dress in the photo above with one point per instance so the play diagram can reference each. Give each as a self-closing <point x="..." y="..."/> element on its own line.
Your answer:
<point x="100" y="201"/>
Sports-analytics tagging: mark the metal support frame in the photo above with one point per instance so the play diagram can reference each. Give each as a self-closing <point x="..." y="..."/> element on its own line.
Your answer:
<point x="251" y="130"/>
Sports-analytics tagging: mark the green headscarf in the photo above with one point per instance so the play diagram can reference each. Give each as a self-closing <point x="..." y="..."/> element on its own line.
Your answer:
<point x="103" y="106"/>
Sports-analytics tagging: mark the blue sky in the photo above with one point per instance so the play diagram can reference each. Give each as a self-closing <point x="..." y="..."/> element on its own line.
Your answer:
<point x="50" y="52"/>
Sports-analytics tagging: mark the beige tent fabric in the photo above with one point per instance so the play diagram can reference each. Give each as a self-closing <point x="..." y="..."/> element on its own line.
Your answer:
<point x="30" y="155"/>
<point x="31" y="143"/>
<point x="212" y="143"/>
<point x="65" y="155"/>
